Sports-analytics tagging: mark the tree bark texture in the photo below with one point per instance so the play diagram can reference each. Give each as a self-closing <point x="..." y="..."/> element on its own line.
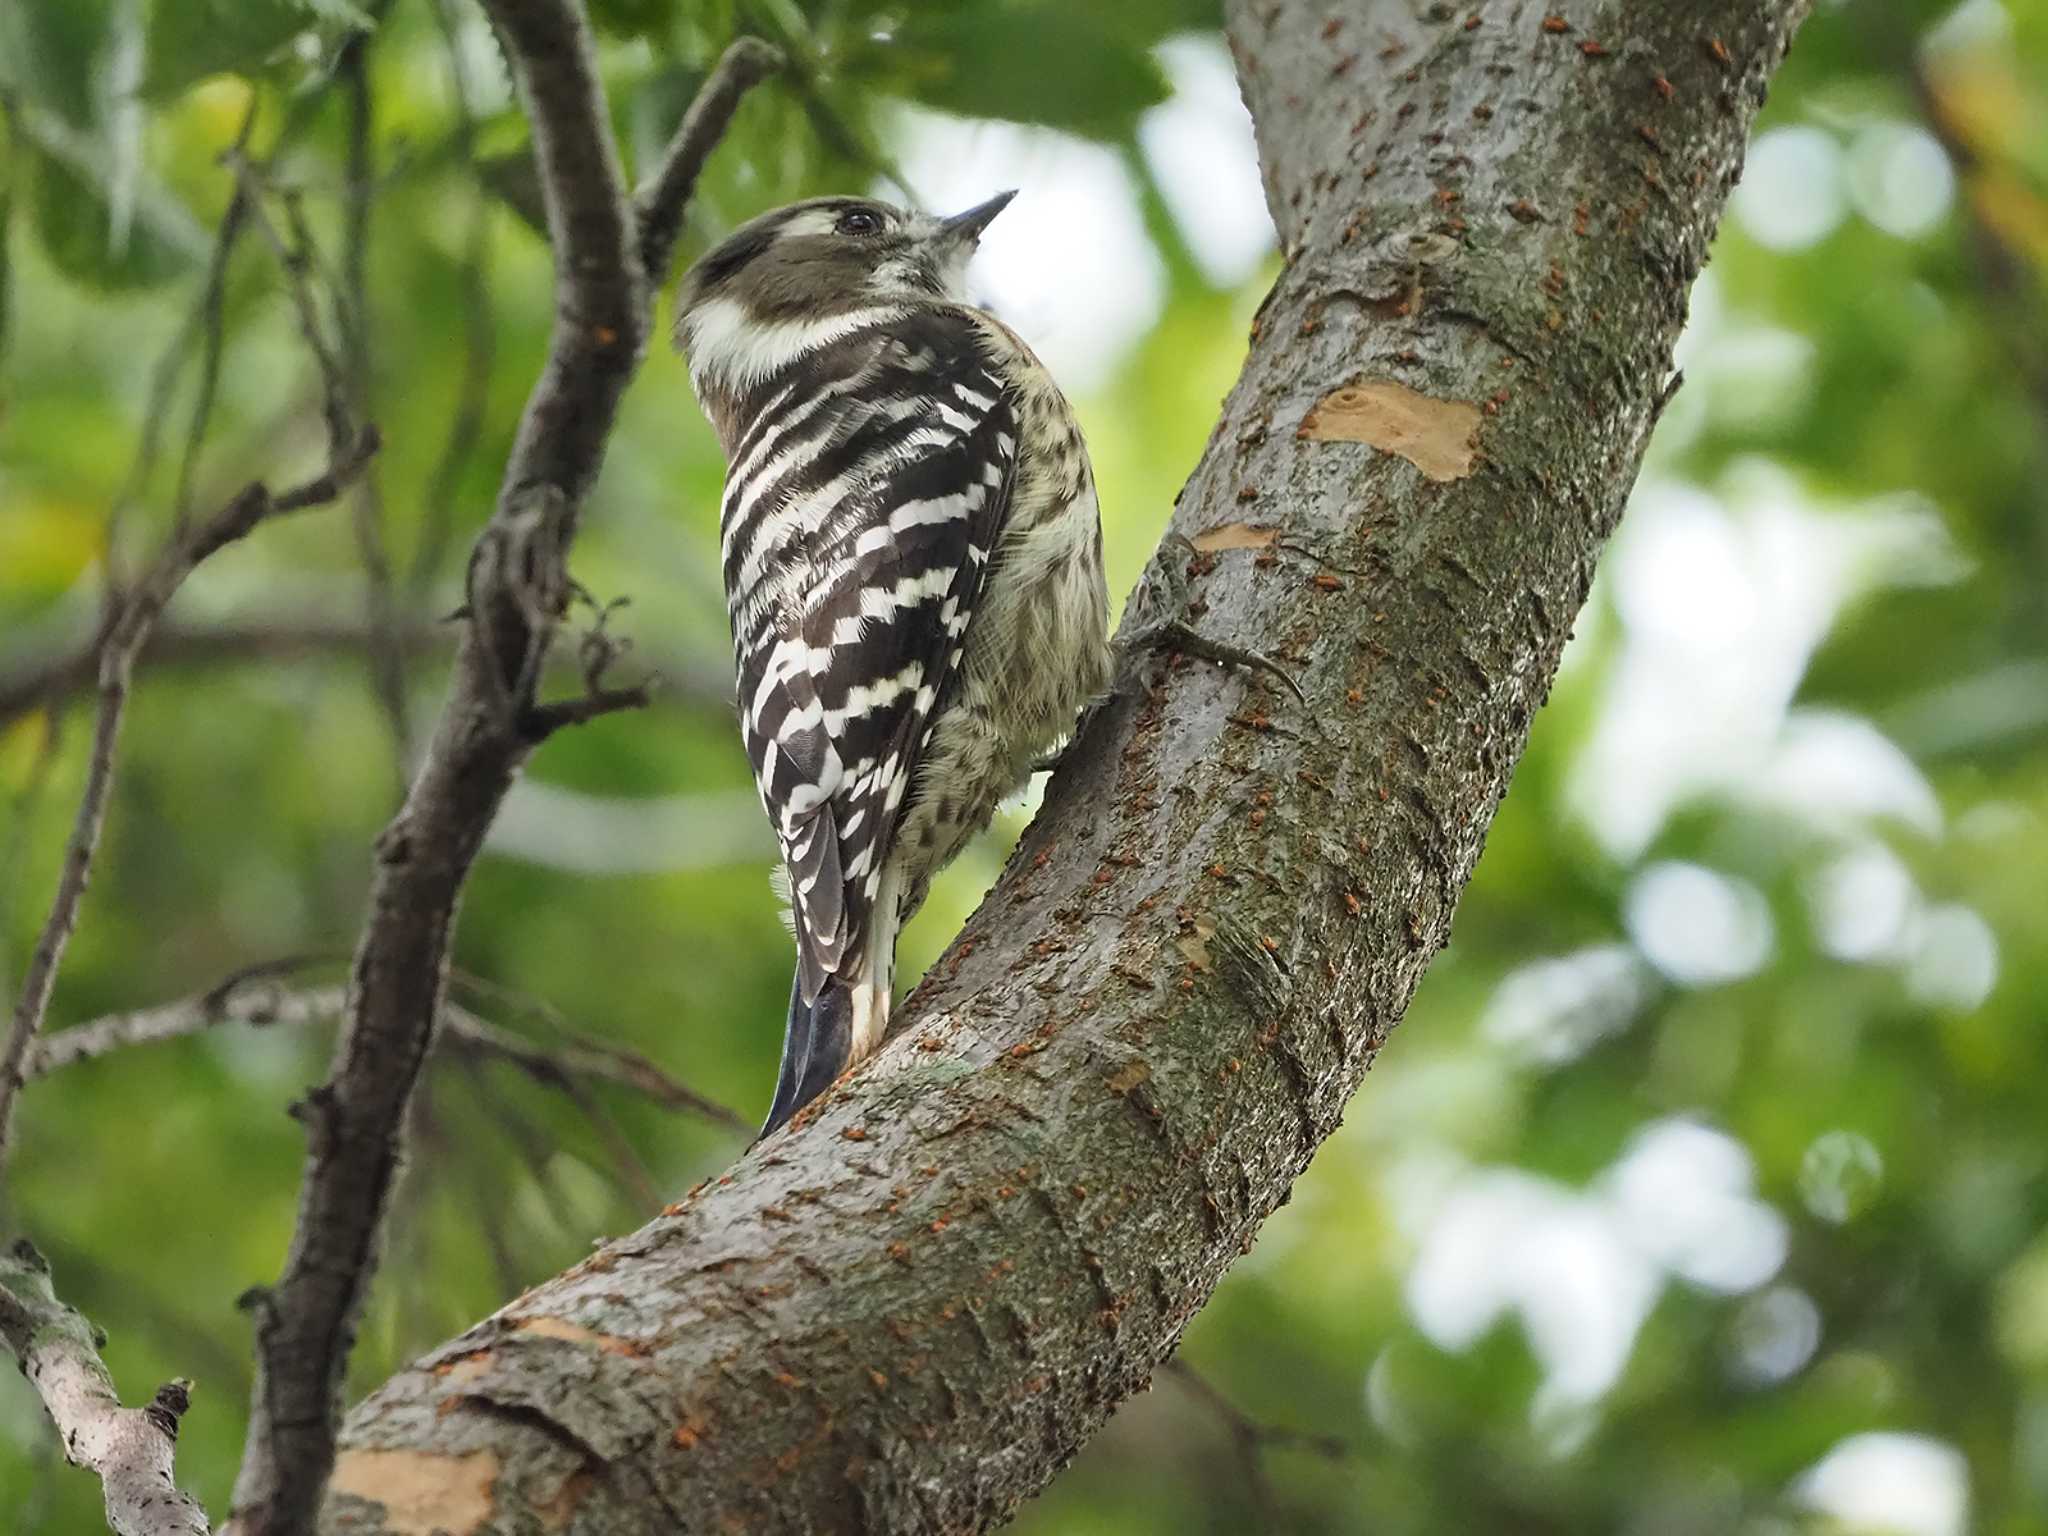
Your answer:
<point x="906" y="1313"/>
<point x="130" y="1450"/>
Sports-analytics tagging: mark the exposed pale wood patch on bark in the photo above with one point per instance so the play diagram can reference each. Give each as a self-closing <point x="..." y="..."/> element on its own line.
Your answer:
<point x="1194" y="943"/>
<point x="1439" y="437"/>
<point x="422" y="1494"/>
<point x="1235" y="536"/>
<point x="1128" y="1076"/>
<point x="464" y="1369"/>
<point x="575" y="1333"/>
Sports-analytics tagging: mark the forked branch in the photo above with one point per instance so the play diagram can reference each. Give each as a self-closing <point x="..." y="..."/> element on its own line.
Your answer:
<point x="518" y="589"/>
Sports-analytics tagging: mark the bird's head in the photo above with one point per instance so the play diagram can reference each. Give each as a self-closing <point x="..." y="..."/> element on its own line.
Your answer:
<point x="789" y="280"/>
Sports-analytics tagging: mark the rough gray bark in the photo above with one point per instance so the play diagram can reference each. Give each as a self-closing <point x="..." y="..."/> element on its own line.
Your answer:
<point x="908" y="1312"/>
<point x="130" y="1450"/>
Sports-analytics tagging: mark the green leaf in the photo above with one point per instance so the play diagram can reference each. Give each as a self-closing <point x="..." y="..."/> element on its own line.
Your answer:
<point x="1056" y="62"/>
<point x="49" y="54"/>
<point x="72" y="203"/>
<point x="634" y="18"/>
<point x="6" y="264"/>
<point x="76" y="227"/>
<point x="192" y="39"/>
<point x="1151" y="21"/>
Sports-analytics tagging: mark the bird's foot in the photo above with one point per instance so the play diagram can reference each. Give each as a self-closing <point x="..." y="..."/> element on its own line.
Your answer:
<point x="1179" y="635"/>
<point x="1166" y="600"/>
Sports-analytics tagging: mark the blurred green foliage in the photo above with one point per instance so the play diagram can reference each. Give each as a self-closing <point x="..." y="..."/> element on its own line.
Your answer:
<point x="1718" y="1139"/>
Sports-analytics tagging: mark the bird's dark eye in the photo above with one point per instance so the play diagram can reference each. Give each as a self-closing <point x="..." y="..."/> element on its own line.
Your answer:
<point x="859" y="221"/>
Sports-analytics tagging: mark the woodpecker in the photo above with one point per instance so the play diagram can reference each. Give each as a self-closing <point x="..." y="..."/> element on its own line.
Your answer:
<point x="912" y="556"/>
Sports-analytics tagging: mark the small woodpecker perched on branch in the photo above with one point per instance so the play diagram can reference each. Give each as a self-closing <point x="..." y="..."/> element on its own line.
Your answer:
<point x="913" y="569"/>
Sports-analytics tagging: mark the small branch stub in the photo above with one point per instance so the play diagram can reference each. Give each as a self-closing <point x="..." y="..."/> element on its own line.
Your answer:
<point x="130" y="1450"/>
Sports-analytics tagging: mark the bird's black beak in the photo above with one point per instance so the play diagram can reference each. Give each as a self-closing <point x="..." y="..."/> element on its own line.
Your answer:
<point x="969" y="225"/>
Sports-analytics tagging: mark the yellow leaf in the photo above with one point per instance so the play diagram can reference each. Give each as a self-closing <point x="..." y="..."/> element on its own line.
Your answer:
<point x="46" y="546"/>
<point x="2014" y="212"/>
<point x="22" y="744"/>
<point x="1981" y="102"/>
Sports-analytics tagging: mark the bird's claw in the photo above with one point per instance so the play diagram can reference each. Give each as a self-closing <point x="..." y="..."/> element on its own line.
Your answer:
<point x="1179" y="635"/>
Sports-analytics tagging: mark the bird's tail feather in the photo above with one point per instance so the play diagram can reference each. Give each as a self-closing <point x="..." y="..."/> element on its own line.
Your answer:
<point x="845" y="1023"/>
<point x="817" y="1045"/>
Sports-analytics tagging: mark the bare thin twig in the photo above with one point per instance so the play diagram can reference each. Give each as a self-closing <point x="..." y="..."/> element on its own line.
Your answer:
<point x="295" y="261"/>
<point x="130" y="1450"/>
<point x="51" y="676"/>
<point x="179" y="1020"/>
<point x="658" y="207"/>
<point x="163" y="382"/>
<point x="1253" y="1438"/>
<point x="518" y="588"/>
<point x="578" y="1055"/>
<point x="137" y="615"/>
<point x="199" y="322"/>
<point x="387" y="655"/>
<point x="209" y="320"/>
<point x="543" y="720"/>
<point x="132" y="614"/>
<point x="15" y="843"/>
<point x="577" y="1061"/>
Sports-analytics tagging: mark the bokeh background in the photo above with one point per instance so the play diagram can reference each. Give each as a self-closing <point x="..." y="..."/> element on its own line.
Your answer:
<point x="1705" y="1187"/>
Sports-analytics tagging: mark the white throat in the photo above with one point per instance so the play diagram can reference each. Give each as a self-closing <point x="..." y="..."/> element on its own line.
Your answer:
<point x="730" y="350"/>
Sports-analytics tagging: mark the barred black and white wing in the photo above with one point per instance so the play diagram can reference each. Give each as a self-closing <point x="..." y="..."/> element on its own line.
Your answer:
<point x="861" y="509"/>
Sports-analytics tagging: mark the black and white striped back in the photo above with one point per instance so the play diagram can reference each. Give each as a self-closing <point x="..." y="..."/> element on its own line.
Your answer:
<point x="866" y="493"/>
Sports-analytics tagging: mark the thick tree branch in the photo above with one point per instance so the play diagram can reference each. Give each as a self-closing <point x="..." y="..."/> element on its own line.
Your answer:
<point x="906" y="1312"/>
<point x="130" y="1450"/>
<point x="518" y="589"/>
